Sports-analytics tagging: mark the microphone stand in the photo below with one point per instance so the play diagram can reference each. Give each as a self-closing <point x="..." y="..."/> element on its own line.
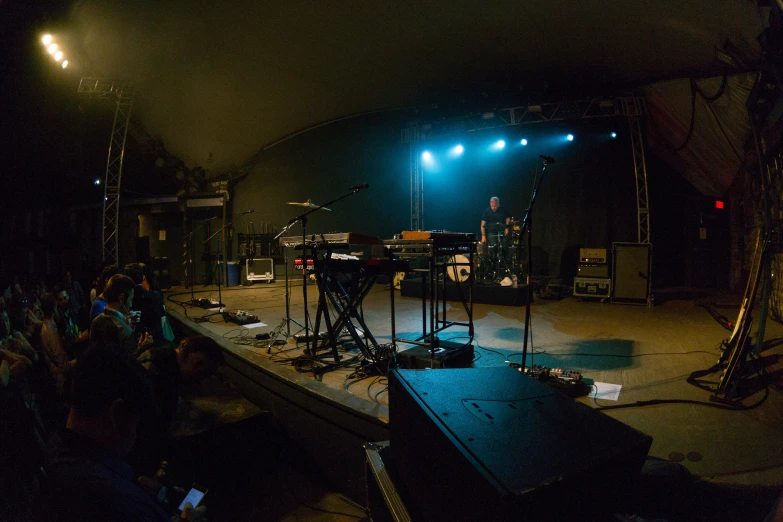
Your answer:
<point x="303" y="219"/>
<point x="526" y="224"/>
<point x="189" y="237"/>
<point x="222" y="240"/>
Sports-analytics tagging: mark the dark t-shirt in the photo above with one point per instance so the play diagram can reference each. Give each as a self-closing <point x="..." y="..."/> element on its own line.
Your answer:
<point x="150" y="304"/>
<point x="495" y="221"/>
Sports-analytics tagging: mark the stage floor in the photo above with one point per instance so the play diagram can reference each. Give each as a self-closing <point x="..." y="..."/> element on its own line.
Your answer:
<point x="649" y="351"/>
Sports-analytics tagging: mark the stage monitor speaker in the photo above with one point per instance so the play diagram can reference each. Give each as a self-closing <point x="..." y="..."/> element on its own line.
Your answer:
<point x="630" y="273"/>
<point x="495" y="444"/>
<point x="161" y="272"/>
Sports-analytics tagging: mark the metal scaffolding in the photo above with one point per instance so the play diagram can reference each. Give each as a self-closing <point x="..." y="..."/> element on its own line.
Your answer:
<point x="632" y="107"/>
<point x="123" y="93"/>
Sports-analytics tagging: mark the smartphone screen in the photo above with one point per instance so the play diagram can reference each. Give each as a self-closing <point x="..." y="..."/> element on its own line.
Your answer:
<point x="194" y="496"/>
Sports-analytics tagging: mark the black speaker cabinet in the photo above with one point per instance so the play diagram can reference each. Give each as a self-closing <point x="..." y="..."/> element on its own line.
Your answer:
<point x="630" y="273"/>
<point x="161" y="273"/>
<point x="496" y="444"/>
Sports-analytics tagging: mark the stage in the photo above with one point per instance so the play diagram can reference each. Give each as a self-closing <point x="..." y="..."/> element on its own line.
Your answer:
<point x="332" y="408"/>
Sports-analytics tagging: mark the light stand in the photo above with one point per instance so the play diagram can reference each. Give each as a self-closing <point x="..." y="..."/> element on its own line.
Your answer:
<point x="526" y="229"/>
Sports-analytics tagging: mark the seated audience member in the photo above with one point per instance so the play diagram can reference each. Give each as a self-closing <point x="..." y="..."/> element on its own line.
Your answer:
<point x="113" y="325"/>
<point x="99" y="303"/>
<point x="88" y="477"/>
<point x="149" y="303"/>
<point x="195" y="359"/>
<point x="55" y="356"/>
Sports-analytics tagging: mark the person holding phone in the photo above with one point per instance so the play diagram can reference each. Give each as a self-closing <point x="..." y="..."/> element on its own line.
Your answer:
<point x="88" y="477"/>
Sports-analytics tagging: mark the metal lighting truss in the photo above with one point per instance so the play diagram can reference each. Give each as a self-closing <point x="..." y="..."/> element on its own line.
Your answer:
<point x="123" y="93"/>
<point x="632" y="107"/>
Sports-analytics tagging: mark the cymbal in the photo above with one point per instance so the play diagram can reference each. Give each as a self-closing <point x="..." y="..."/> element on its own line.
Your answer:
<point x="308" y="204"/>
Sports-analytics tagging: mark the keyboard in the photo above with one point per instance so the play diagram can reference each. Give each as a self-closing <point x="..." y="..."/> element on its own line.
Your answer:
<point x="334" y="239"/>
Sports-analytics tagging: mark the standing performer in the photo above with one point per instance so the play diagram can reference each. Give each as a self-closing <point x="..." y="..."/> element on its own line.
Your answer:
<point x="494" y="223"/>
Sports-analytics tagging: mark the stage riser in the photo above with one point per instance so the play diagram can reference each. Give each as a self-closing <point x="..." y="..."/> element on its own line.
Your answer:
<point x="485" y="294"/>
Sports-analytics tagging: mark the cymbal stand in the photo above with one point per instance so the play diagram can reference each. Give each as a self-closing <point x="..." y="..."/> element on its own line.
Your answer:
<point x="303" y="219"/>
<point x="288" y="318"/>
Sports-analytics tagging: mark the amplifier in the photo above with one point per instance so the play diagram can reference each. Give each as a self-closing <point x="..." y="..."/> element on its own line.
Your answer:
<point x="260" y="269"/>
<point x="310" y="264"/>
<point x="593" y="270"/>
<point x="592" y="255"/>
<point x="592" y="287"/>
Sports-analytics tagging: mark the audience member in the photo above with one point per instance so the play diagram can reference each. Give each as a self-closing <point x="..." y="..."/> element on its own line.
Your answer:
<point x="195" y="359"/>
<point x="113" y="325"/>
<point x="66" y="322"/>
<point x="149" y="303"/>
<point x="88" y="476"/>
<point x="99" y="302"/>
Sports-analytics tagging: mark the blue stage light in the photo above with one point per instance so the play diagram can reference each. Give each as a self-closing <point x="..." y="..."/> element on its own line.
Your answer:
<point x="523" y="142"/>
<point x="426" y="156"/>
<point x="498" y="145"/>
<point x="614" y="135"/>
<point x="457" y="150"/>
<point x="570" y="137"/>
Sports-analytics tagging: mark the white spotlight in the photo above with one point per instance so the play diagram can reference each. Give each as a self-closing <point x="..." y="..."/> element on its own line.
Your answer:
<point x="46" y="39"/>
<point x="498" y="145"/>
<point x="52" y="47"/>
<point x="456" y="150"/>
<point x="523" y="142"/>
<point x="97" y="181"/>
<point x="426" y="155"/>
<point x="65" y="64"/>
<point x="570" y="137"/>
<point x="614" y="135"/>
<point x="58" y="56"/>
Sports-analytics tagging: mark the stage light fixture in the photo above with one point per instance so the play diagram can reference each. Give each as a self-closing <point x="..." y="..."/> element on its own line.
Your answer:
<point x="570" y="137"/>
<point x="426" y="155"/>
<point x="614" y="135"/>
<point x="65" y="64"/>
<point x="523" y="142"/>
<point x="52" y="47"/>
<point x="456" y="150"/>
<point x="46" y="39"/>
<point x="97" y="181"/>
<point x="498" y="145"/>
<point x="58" y="56"/>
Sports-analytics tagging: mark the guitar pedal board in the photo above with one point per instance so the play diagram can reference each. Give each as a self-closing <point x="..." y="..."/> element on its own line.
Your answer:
<point x="240" y="317"/>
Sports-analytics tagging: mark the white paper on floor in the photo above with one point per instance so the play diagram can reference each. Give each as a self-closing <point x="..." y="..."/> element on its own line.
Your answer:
<point x="604" y="390"/>
<point x="253" y="325"/>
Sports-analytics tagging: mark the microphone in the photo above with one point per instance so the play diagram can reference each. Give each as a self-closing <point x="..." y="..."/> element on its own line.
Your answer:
<point x="246" y="212"/>
<point x="360" y="187"/>
<point x="548" y="159"/>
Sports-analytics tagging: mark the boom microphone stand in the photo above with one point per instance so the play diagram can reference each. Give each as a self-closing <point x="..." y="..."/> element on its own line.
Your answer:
<point x="222" y="239"/>
<point x="191" y="267"/>
<point x="547" y="160"/>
